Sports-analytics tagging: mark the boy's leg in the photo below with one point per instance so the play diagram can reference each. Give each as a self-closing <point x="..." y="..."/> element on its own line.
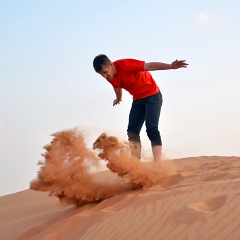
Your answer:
<point x="135" y="123"/>
<point x="153" y="109"/>
<point x="157" y="153"/>
<point x="135" y="146"/>
<point x="157" y="156"/>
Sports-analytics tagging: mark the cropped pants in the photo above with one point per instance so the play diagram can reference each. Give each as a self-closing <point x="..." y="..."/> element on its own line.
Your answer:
<point x="145" y="110"/>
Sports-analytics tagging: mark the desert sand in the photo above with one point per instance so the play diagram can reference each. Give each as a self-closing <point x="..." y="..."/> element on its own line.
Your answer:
<point x="191" y="198"/>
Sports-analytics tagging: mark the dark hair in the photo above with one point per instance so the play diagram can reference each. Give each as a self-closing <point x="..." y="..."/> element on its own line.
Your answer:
<point x="100" y="61"/>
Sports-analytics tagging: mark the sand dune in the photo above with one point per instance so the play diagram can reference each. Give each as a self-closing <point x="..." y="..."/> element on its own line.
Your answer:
<point x="200" y="201"/>
<point x="191" y="198"/>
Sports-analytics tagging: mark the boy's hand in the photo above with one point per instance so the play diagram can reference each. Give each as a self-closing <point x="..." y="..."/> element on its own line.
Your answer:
<point x="179" y="64"/>
<point x="116" y="101"/>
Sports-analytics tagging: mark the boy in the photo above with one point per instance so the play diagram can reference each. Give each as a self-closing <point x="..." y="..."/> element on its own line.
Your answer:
<point x="133" y="76"/>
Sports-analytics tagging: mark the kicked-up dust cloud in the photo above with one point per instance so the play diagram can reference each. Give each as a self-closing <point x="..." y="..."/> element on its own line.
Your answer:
<point x="66" y="173"/>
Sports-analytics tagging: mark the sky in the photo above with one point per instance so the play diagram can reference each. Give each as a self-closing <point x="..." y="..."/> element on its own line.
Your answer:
<point x="47" y="82"/>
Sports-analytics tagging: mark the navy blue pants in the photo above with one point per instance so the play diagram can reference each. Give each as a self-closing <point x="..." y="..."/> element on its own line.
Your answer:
<point x="145" y="110"/>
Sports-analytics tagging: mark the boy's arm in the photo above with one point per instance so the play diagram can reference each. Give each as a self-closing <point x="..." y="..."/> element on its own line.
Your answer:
<point x="153" y="66"/>
<point x="118" y="92"/>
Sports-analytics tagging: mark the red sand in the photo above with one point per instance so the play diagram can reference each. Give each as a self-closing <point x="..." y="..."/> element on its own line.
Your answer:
<point x="191" y="198"/>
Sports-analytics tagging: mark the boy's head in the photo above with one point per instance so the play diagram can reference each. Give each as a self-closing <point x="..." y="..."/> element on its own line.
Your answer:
<point x="104" y="66"/>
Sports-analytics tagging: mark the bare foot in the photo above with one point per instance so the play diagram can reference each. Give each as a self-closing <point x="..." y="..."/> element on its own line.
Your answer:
<point x="157" y="167"/>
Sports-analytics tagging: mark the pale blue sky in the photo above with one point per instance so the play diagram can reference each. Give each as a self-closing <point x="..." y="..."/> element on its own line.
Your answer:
<point x="48" y="83"/>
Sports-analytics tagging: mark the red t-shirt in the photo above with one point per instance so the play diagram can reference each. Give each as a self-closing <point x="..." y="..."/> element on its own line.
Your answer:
<point x="130" y="75"/>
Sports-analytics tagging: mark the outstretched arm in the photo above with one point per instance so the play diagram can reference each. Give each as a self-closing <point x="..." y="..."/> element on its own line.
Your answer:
<point x="118" y="92"/>
<point x="153" y="66"/>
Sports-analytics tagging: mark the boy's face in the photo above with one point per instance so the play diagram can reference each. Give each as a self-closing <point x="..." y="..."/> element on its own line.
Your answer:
<point x="108" y="71"/>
